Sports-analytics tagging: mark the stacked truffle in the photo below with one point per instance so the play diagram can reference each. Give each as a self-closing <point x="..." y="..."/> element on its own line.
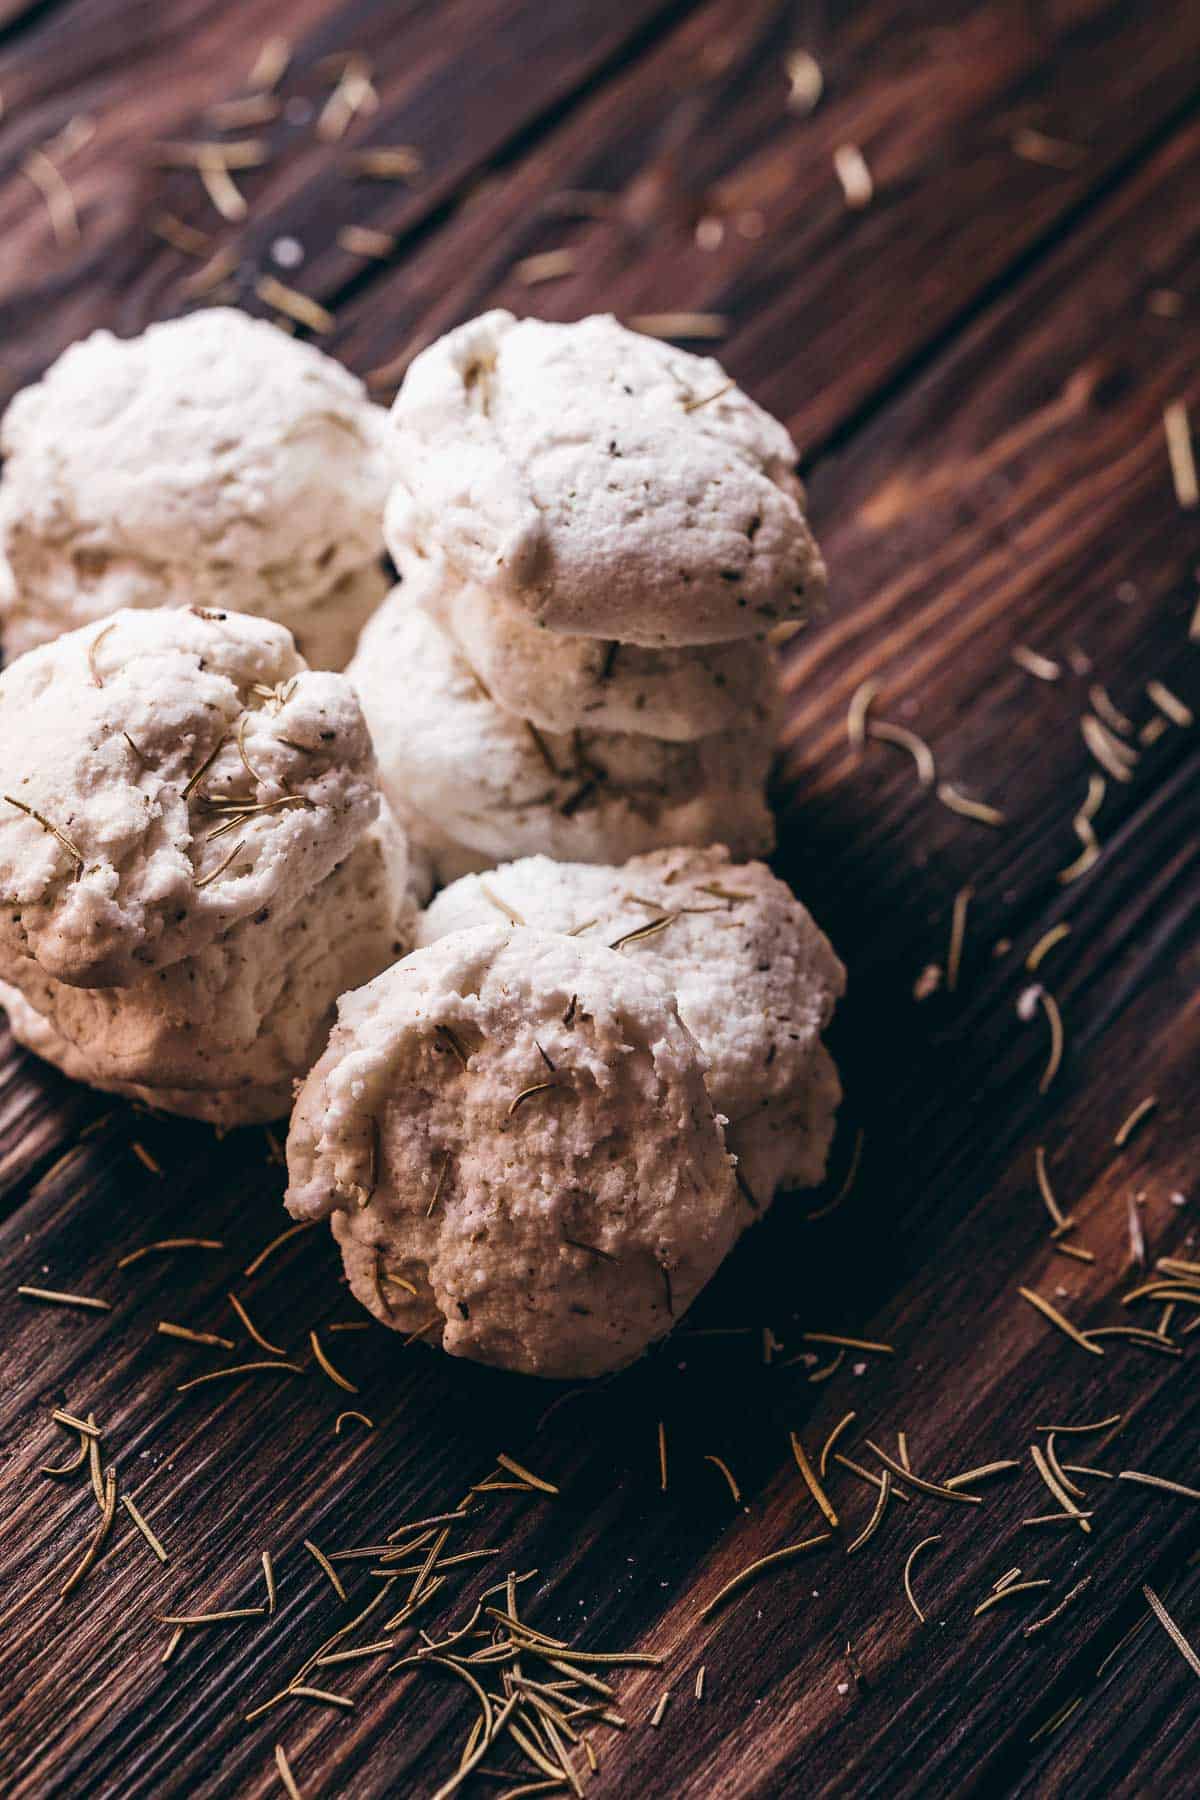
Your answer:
<point x="212" y="461"/>
<point x="522" y="1133"/>
<point x="598" y="535"/>
<point x="193" y="858"/>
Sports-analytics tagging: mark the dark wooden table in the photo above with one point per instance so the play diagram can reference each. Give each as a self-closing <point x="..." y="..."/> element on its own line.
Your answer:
<point x="976" y="366"/>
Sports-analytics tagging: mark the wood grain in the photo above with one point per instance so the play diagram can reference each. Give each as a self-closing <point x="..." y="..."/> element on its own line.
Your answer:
<point x="978" y="374"/>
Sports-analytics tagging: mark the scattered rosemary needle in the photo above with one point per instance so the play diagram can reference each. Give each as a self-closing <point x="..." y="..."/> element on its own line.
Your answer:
<point x="93" y="671"/>
<point x="1130" y="1124"/>
<point x="662" y="1456"/>
<point x="360" y="1416"/>
<point x="1056" y="1318"/>
<point x="1045" y="944"/>
<point x="143" y="1526"/>
<point x="364" y="240"/>
<point x="969" y="1477"/>
<point x="858" y="713"/>
<point x="98" y="1538"/>
<point x="1160" y="1481"/>
<point x="1172" y="1630"/>
<point x="806" y="83"/>
<point x="333" y="1374"/>
<point x="494" y="899"/>
<point x="1169" y="704"/>
<point x="294" y="305"/>
<point x="1043" y="667"/>
<point x="214" y="874"/>
<point x="1060" y="1220"/>
<point x="727" y="1472"/>
<point x="55" y="190"/>
<point x="538" y="1087"/>
<point x="1108" y="711"/>
<point x="911" y="1558"/>
<point x="763" y="1562"/>
<point x="1042" y="1463"/>
<point x="957" y="802"/>
<point x="1181" y="454"/>
<point x="1006" y="1593"/>
<point x="292" y="1231"/>
<point x="251" y="1328"/>
<point x="57" y="1299"/>
<point x="212" y="1618"/>
<point x="284" y="1368"/>
<point x="1056" y="1612"/>
<point x="681" y="324"/>
<point x="641" y="932"/>
<point x="869" y="1529"/>
<point x="285" y="1774"/>
<point x="938" y="1490"/>
<point x="547" y="265"/>
<point x="72" y="849"/>
<point x="388" y="162"/>
<point x="166" y="1329"/>
<point x="850" y="167"/>
<point x="958" y="932"/>
<point x="904" y="739"/>
<point x="848" y="1343"/>
<point x="831" y="1440"/>
<point x="699" y="1688"/>
<point x="165" y="1244"/>
<point x="326" y="1568"/>
<point x="268" y="1568"/>
<point x="1050" y="1007"/>
<point x="515" y="1468"/>
<point x="812" y="1482"/>
<point x="145" y="1158"/>
<point x="1114" y="757"/>
<point x="173" y="1643"/>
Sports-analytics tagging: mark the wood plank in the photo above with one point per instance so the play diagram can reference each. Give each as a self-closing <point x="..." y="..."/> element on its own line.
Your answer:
<point x="1008" y="496"/>
<point x="700" y="129"/>
<point x="143" y="79"/>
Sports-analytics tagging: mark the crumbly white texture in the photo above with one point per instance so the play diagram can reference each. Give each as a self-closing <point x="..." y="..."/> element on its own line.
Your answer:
<point x="491" y="785"/>
<point x="755" y="978"/>
<point x="249" y="1014"/>
<point x="558" y="1234"/>
<point x="102" y="732"/>
<point x="222" y="1107"/>
<point x="561" y="683"/>
<point x="571" y="469"/>
<point x="211" y="461"/>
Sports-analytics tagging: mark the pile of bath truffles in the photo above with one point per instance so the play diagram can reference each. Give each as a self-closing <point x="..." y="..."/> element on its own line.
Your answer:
<point x="540" y="1113"/>
<point x="597" y="534"/>
<point x="212" y="461"/>
<point x="194" y="859"/>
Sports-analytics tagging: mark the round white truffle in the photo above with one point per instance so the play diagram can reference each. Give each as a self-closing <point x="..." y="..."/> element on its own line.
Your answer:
<point x="496" y="787"/>
<point x="211" y="461"/>
<point x="610" y="484"/>
<point x="562" y="683"/>
<point x="512" y="1134"/>
<point x="227" y="1033"/>
<point x="755" y="979"/>
<point x="162" y="777"/>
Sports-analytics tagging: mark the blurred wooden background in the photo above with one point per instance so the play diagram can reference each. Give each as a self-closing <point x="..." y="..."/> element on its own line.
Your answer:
<point x="957" y="248"/>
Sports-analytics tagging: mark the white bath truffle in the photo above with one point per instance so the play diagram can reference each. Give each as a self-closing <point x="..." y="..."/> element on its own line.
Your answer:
<point x="227" y="1033"/>
<point x="562" y="683"/>
<point x="212" y="461"/>
<point x="511" y="1132"/>
<point x="164" y="776"/>
<point x="496" y="787"/>
<point x="755" y="979"/>
<point x="610" y="484"/>
<point x="222" y="1107"/>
